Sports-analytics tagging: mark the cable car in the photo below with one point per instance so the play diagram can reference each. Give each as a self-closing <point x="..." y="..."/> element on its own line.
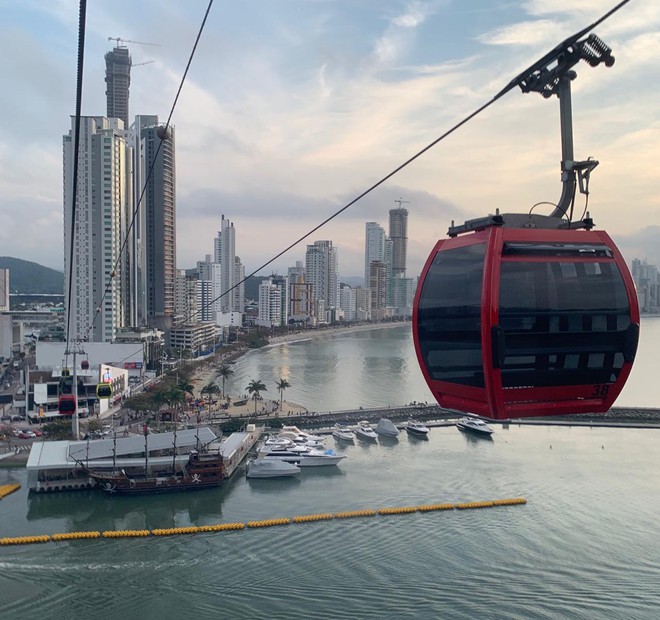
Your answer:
<point x="66" y="404"/>
<point x="103" y="390"/>
<point x="522" y="315"/>
<point x="84" y="365"/>
<point x="515" y="322"/>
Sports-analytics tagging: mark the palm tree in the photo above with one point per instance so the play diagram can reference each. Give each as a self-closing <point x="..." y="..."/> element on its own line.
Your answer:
<point x="254" y="388"/>
<point x="225" y="372"/>
<point x="282" y="385"/>
<point x="210" y="389"/>
<point x="185" y="386"/>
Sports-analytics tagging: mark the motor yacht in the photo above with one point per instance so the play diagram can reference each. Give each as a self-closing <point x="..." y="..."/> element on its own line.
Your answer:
<point x="271" y="468"/>
<point x="295" y="430"/>
<point x="303" y="439"/>
<point x="364" y="431"/>
<point x="474" y="425"/>
<point x="302" y="456"/>
<point x="343" y="432"/>
<point x="292" y="440"/>
<point x="417" y="429"/>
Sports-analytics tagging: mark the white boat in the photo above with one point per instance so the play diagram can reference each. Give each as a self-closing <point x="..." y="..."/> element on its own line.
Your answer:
<point x="474" y="425"/>
<point x="303" y="440"/>
<point x="301" y="455"/>
<point x="296" y="431"/>
<point x="343" y="432"/>
<point x="271" y="468"/>
<point x="413" y="427"/>
<point x="386" y="428"/>
<point x="364" y="431"/>
<point x="292" y="440"/>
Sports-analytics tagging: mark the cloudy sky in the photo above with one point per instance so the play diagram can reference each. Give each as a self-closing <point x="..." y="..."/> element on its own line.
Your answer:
<point x="294" y="107"/>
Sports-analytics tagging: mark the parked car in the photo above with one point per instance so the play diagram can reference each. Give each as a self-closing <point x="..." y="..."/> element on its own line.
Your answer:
<point x="25" y="435"/>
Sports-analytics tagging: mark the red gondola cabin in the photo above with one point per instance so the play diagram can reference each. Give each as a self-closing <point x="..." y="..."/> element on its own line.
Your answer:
<point x="66" y="404"/>
<point x="512" y="322"/>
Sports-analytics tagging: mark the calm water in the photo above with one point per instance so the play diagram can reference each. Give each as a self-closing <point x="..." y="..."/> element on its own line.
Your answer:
<point x="585" y="546"/>
<point x="379" y="368"/>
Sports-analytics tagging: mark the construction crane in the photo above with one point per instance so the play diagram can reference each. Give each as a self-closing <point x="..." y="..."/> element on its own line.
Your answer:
<point x="119" y="39"/>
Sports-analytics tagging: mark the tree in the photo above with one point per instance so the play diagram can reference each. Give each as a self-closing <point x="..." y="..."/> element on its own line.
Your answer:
<point x="210" y="389"/>
<point x="254" y="388"/>
<point x="225" y="372"/>
<point x="282" y="385"/>
<point x="185" y="386"/>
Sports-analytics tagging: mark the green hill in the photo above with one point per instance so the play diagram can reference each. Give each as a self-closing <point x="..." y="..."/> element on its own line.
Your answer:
<point x="28" y="277"/>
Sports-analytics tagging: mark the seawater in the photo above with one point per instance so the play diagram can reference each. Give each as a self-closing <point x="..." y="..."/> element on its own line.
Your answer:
<point x="379" y="367"/>
<point x="585" y="546"/>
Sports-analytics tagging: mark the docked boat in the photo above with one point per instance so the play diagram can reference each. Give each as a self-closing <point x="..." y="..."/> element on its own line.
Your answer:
<point x="417" y="429"/>
<point x="386" y="428"/>
<point x="364" y="431"/>
<point x="474" y="425"/>
<point x="296" y="431"/>
<point x="343" y="433"/>
<point x="302" y="440"/>
<point x="203" y="469"/>
<point x="302" y="456"/>
<point x="271" y="468"/>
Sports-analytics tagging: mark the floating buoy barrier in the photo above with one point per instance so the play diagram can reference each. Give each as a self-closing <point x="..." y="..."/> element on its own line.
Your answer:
<point x="224" y="527"/>
<point x="355" y="513"/>
<point x="430" y="507"/>
<point x="74" y="536"/>
<point x="512" y="501"/>
<point x="468" y="505"/>
<point x="318" y="517"/>
<point x="398" y="510"/>
<point x="125" y="533"/>
<point x="24" y="540"/>
<point x="7" y="489"/>
<point x="269" y="522"/>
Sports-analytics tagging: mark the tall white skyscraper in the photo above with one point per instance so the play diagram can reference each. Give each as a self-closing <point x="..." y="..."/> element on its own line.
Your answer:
<point x="210" y="277"/>
<point x="103" y="208"/>
<point x="239" y="291"/>
<point x="227" y="244"/>
<point x="374" y="247"/>
<point x="321" y="270"/>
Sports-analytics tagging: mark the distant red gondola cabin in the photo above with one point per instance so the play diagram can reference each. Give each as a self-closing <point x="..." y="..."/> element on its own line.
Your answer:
<point x="512" y="322"/>
<point x="66" y="404"/>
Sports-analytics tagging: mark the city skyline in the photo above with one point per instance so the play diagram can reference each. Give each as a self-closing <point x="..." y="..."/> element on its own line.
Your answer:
<point x="316" y="114"/>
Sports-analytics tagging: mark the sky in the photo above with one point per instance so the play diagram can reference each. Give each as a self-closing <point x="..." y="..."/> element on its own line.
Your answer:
<point x="293" y="108"/>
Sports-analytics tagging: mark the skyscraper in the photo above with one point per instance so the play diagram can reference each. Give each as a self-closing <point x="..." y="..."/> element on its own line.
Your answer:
<point x="321" y="271"/>
<point x="399" y="237"/>
<point x="103" y="204"/>
<point x="374" y="247"/>
<point x="159" y="206"/>
<point x="227" y="243"/>
<point x="118" y="81"/>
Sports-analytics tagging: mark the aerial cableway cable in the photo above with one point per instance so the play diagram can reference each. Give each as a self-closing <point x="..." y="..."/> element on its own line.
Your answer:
<point x="517" y="81"/>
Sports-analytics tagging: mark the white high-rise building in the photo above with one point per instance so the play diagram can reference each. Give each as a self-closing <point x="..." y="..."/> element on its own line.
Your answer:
<point x="347" y="302"/>
<point x="321" y="270"/>
<point x="103" y="208"/>
<point x="374" y="247"/>
<point x="271" y="308"/>
<point x="227" y="243"/>
<point x="4" y="290"/>
<point x="187" y="298"/>
<point x="210" y="277"/>
<point x="239" y="291"/>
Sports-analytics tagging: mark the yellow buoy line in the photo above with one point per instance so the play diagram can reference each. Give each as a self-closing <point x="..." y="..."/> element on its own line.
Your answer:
<point x="223" y="527"/>
<point x="6" y="489"/>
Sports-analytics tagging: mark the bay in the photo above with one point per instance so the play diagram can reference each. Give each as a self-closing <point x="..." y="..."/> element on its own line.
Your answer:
<point x="379" y="367"/>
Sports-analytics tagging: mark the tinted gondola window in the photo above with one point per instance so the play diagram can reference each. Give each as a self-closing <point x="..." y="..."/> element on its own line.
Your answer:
<point x="564" y="322"/>
<point x="449" y="316"/>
